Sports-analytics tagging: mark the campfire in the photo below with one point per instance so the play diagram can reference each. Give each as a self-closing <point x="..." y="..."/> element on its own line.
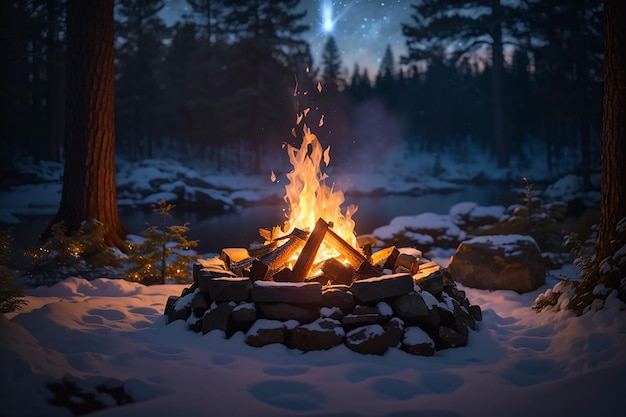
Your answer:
<point x="310" y="286"/>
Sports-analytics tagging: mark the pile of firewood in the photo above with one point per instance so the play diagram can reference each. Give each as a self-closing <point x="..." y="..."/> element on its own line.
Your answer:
<point x="389" y="298"/>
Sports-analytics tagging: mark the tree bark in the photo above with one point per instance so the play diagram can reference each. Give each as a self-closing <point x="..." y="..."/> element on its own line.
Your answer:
<point x="55" y="85"/>
<point x="497" y="58"/>
<point x="89" y="188"/>
<point x="613" y="183"/>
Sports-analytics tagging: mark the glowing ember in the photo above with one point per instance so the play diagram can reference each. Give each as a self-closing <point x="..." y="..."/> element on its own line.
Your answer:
<point x="309" y="197"/>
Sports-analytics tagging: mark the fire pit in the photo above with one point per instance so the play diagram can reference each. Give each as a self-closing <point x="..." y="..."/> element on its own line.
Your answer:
<point x="311" y="286"/>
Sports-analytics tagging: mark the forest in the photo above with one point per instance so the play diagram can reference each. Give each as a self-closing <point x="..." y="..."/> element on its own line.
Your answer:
<point x="226" y="80"/>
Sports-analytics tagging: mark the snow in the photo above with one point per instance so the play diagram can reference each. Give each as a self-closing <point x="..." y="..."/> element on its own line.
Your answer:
<point x="405" y="225"/>
<point x="518" y="363"/>
<point x="416" y="336"/>
<point x="113" y="332"/>
<point x="507" y="242"/>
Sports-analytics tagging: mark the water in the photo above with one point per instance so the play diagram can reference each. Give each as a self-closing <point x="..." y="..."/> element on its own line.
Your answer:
<point x="239" y="228"/>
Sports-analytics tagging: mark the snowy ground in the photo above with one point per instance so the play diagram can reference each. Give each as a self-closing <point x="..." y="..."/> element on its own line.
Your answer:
<point x="112" y="332"/>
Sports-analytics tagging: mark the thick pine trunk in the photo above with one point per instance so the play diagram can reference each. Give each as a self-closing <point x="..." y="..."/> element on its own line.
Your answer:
<point x="55" y="85"/>
<point x="613" y="185"/>
<point x="498" y="89"/>
<point x="89" y="188"/>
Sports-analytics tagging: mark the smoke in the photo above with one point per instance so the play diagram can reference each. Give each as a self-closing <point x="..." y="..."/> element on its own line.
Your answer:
<point x="374" y="132"/>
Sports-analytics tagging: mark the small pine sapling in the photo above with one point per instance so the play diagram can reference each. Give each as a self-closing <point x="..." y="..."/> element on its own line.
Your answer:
<point x="82" y="253"/>
<point x="599" y="278"/>
<point x="11" y="297"/>
<point x="163" y="254"/>
<point x="532" y="217"/>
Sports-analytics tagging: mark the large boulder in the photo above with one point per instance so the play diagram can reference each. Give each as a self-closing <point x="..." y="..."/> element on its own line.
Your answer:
<point x="499" y="262"/>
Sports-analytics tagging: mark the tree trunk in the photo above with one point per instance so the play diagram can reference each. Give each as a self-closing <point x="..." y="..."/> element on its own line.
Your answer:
<point x="55" y="84"/>
<point x="613" y="183"/>
<point x="498" y="89"/>
<point x="584" y="122"/>
<point x="89" y="189"/>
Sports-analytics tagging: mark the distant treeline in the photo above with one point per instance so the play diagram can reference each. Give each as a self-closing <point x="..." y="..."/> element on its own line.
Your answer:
<point x="227" y="81"/>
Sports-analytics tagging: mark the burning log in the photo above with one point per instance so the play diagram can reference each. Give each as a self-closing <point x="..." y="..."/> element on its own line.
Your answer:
<point x="273" y="261"/>
<point x="258" y="270"/>
<point x="409" y="263"/>
<point x="367" y="270"/>
<point x="262" y="250"/>
<point x="386" y="257"/>
<point x="353" y="256"/>
<point x="283" y="253"/>
<point x="307" y="256"/>
<point x="233" y="255"/>
<point x="337" y="272"/>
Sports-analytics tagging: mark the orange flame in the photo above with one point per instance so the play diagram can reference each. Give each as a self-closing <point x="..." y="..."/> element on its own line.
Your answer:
<point x="309" y="197"/>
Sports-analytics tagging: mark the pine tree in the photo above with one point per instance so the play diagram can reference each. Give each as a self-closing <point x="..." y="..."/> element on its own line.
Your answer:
<point x="161" y="256"/>
<point x="332" y="79"/>
<point x="266" y="36"/>
<point x="11" y="297"/>
<point x="446" y="24"/>
<point x="140" y="32"/>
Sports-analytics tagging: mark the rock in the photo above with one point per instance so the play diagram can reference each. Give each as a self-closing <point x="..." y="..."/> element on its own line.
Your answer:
<point x="417" y="342"/>
<point x="322" y="334"/>
<point x="394" y="330"/>
<point x="219" y="318"/>
<point x="265" y="332"/>
<point x="385" y="312"/>
<point x="463" y="315"/>
<point x="499" y="262"/>
<point x="455" y="293"/>
<point x="229" y="289"/>
<point x="206" y="275"/>
<point x="199" y="304"/>
<point x="429" y="278"/>
<point x="441" y="227"/>
<point x="352" y="321"/>
<point x="331" y="312"/>
<point x="476" y="312"/>
<point x="244" y="315"/>
<point x="370" y="340"/>
<point x="362" y="310"/>
<point x="446" y="317"/>
<point x="338" y="296"/>
<point x="372" y="290"/>
<point x="432" y="320"/>
<point x="411" y="308"/>
<point x="287" y="292"/>
<point x="181" y="309"/>
<point x="284" y="312"/>
<point x="195" y="323"/>
<point x="169" y="304"/>
<point x="449" y="338"/>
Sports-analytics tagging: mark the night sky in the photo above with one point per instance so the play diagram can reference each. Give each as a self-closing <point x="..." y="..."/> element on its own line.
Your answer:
<point x="362" y="28"/>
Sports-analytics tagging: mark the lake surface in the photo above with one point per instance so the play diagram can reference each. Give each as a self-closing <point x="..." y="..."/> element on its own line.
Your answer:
<point x="239" y="228"/>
